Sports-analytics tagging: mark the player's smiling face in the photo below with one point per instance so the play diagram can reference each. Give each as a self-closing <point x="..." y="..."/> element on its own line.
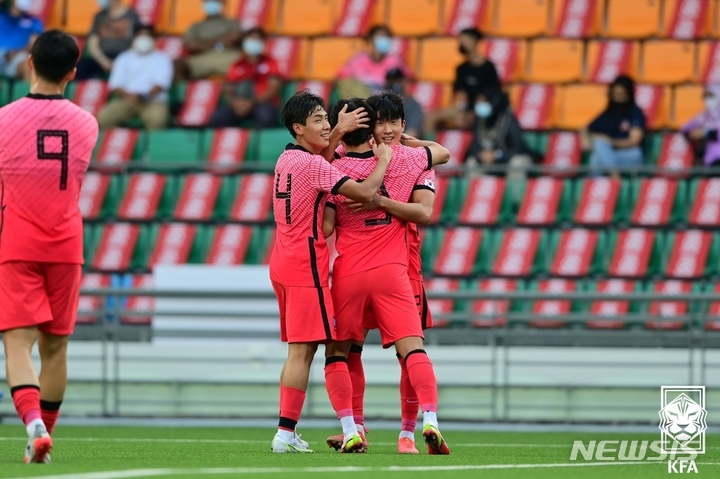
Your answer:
<point x="316" y="130"/>
<point x="389" y="131"/>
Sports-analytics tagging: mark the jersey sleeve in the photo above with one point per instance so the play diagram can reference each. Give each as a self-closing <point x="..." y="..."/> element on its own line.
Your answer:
<point x="325" y="177"/>
<point x="426" y="181"/>
<point x="416" y="159"/>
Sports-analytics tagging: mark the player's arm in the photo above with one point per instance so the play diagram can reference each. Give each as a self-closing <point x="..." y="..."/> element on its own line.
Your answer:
<point x="365" y="192"/>
<point x="347" y="122"/>
<point x="419" y="211"/>
<point x="439" y="155"/>
<point x="328" y="225"/>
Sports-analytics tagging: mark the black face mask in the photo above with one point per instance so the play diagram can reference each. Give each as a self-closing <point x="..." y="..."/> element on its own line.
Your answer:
<point x="463" y="50"/>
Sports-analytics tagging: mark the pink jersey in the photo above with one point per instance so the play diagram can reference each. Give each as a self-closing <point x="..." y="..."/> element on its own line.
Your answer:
<point x="426" y="181"/>
<point x="302" y="180"/>
<point x="46" y="143"/>
<point x="371" y="239"/>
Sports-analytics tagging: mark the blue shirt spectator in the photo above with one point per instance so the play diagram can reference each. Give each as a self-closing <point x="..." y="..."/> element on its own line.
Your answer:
<point x="19" y="30"/>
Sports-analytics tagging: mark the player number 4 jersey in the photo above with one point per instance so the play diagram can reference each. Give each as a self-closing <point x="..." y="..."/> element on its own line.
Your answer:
<point x="46" y="143"/>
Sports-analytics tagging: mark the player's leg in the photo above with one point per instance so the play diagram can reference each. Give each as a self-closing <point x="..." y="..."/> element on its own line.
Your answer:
<point x="408" y="412"/>
<point x="155" y="115"/>
<point x="116" y="113"/>
<point x="293" y="386"/>
<point x="53" y="376"/>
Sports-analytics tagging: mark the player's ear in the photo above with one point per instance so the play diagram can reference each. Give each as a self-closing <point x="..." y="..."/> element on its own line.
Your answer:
<point x="71" y="76"/>
<point x="30" y="63"/>
<point x="403" y="126"/>
<point x="298" y="129"/>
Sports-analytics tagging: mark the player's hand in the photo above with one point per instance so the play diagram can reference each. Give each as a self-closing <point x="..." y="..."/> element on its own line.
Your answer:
<point x="352" y="121"/>
<point x="373" y="205"/>
<point x="383" y="152"/>
<point x="405" y="138"/>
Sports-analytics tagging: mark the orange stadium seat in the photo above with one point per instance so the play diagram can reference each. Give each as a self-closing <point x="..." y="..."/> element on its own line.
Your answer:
<point x="460" y="14"/>
<point x="690" y="23"/>
<point x="607" y="59"/>
<point x="584" y="20"/>
<point x="687" y="102"/>
<point x="579" y="105"/>
<point x="654" y="100"/>
<point x="715" y="23"/>
<point x="439" y="57"/>
<point x="328" y="55"/>
<point x="555" y="61"/>
<point x="414" y="17"/>
<point x="667" y="62"/>
<point x="79" y="16"/>
<point x="520" y="18"/>
<point x="304" y="17"/>
<point x="632" y="18"/>
<point x="182" y="15"/>
<point x="55" y="15"/>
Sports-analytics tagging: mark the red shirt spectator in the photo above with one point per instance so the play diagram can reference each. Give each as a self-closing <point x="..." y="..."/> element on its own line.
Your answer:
<point x="259" y="72"/>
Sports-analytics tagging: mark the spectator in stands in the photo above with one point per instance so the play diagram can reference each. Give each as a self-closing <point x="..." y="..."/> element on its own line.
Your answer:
<point x="111" y="34"/>
<point x="615" y="137"/>
<point x="702" y="130"/>
<point x="397" y="82"/>
<point x="18" y="32"/>
<point x="365" y="73"/>
<point x="213" y="44"/>
<point x="253" y="86"/>
<point x="475" y="75"/>
<point x="139" y="81"/>
<point x="498" y="138"/>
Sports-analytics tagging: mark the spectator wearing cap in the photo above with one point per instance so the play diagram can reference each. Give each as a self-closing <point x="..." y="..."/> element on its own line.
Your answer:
<point x="365" y="73"/>
<point x="702" y="130"/>
<point x="139" y="82"/>
<point x="253" y="86"/>
<point x="111" y="34"/>
<point x="18" y="30"/>
<point x="414" y="116"/>
<point x="213" y="44"/>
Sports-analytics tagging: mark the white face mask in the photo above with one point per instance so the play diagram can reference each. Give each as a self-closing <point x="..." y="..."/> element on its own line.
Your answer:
<point x="212" y="7"/>
<point x="711" y="103"/>
<point x="143" y="44"/>
<point x="483" y="109"/>
<point x="253" y="46"/>
<point x="24" y="5"/>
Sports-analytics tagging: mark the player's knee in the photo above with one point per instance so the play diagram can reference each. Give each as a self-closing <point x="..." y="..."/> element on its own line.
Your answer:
<point x="51" y="346"/>
<point x="302" y="352"/>
<point x="406" y="345"/>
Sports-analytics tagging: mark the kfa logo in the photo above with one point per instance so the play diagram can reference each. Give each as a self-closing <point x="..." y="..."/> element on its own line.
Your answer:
<point x="683" y="422"/>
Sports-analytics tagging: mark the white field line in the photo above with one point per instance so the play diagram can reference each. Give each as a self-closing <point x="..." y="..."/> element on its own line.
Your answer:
<point x="318" y="470"/>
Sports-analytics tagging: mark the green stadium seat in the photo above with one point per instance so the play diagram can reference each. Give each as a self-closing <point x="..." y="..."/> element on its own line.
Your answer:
<point x="658" y="201"/>
<point x="577" y="252"/>
<point x="201" y="246"/>
<point x="20" y="89"/>
<point x="605" y="310"/>
<point x="90" y="240"/>
<point x="601" y="201"/>
<point x="691" y="254"/>
<point x="461" y="251"/>
<point x="634" y="253"/>
<point x="234" y="244"/>
<point x="198" y="194"/>
<point x="546" y="200"/>
<point x="653" y="146"/>
<point x="489" y="307"/>
<point x="668" y="309"/>
<point x="175" y="146"/>
<point x="552" y="308"/>
<point x="713" y="320"/>
<point x="5" y="90"/>
<point x="119" y="145"/>
<point x="228" y="192"/>
<point x="440" y="307"/>
<point x="253" y="199"/>
<point x="272" y="144"/>
<point x="518" y="252"/>
<point x="170" y="196"/>
<point x="483" y="200"/>
<point x="228" y="146"/>
<point x="704" y="202"/>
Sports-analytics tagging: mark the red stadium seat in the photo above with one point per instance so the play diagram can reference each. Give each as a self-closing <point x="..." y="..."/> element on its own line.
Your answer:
<point x="550" y="307"/>
<point x="655" y="202"/>
<point x="610" y="308"/>
<point x="116" y="247"/>
<point x="709" y="62"/>
<point x="705" y="209"/>
<point x="483" y="200"/>
<point x="228" y="146"/>
<point x="459" y="250"/>
<point x="689" y="254"/>
<point x="353" y="18"/>
<point x="201" y="100"/>
<point x="535" y="105"/>
<point x="142" y="196"/>
<point x="517" y="249"/>
<point x="92" y="303"/>
<point x="230" y="245"/>
<point x="540" y="202"/>
<point x="675" y="153"/>
<point x="598" y="201"/>
<point x="606" y="59"/>
<point x="253" y="13"/>
<point x="140" y="303"/>
<point x="669" y="309"/>
<point x="198" y="197"/>
<point x="290" y="54"/>
<point x="462" y="14"/>
<point x="563" y="150"/>
<point x="254" y="199"/>
<point x="117" y="146"/>
<point x="509" y="56"/>
<point x="489" y="307"/>
<point x="687" y="19"/>
<point x="92" y="194"/>
<point x="631" y="253"/>
<point x="654" y="100"/>
<point x="575" y="251"/>
<point x="576" y="18"/>
<point x="173" y="244"/>
<point x="441" y="306"/>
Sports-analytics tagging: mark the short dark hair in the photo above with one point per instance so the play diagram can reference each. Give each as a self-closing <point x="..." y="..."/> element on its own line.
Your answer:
<point x="256" y="30"/>
<point x="299" y="108"/>
<point x="378" y="28"/>
<point x="144" y="26"/>
<point x="472" y="32"/>
<point x="361" y="135"/>
<point x="628" y="84"/>
<point x="54" y="54"/>
<point x="388" y="106"/>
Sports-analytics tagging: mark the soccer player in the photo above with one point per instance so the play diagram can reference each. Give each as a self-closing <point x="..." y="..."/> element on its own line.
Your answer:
<point x="371" y="267"/>
<point x="389" y="129"/>
<point x="299" y="262"/>
<point x="45" y="147"/>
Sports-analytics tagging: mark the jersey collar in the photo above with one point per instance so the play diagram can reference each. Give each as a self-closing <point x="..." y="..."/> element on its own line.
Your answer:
<point x="37" y="96"/>
<point x="364" y="154"/>
<point x="294" y="146"/>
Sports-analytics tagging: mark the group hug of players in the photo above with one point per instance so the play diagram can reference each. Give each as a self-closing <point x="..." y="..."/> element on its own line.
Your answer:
<point x="353" y="173"/>
<point x="328" y="181"/>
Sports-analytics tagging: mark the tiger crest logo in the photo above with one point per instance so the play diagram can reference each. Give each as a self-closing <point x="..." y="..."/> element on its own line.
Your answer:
<point x="683" y="418"/>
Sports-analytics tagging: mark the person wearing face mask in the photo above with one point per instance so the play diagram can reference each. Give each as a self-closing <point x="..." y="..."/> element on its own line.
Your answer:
<point x="139" y="82"/>
<point x="253" y="86"/>
<point x="365" y="73"/>
<point x="615" y="137"/>
<point x="213" y="44"/>
<point x="111" y="34"/>
<point x="498" y="138"/>
<point x="414" y="116"/>
<point x="18" y="31"/>
<point x="702" y="130"/>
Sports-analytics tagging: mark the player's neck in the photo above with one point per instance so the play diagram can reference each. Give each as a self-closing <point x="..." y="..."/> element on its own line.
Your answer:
<point x="307" y="146"/>
<point x="358" y="149"/>
<point x="43" y="87"/>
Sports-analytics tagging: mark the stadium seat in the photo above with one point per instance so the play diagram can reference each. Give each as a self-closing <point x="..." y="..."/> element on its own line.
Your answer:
<point x="174" y="146"/>
<point x="253" y="13"/>
<point x="658" y="201"/>
<point x="686" y="19"/>
<point x="519" y="252"/>
<point x="577" y="252"/>
<point x="551" y="307"/>
<point x="462" y="252"/>
<point x="79" y="16"/>
<point x="354" y="18"/>
<point x="690" y="254"/>
<point x="5" y="88"/>
<point x="231" y="245"/>
<point x="227" y="146"/>
<point x="484" y="200"/>
<point x="253" y="201"/>
<point x="573" y="19"/>
<point x="509" y="56"/>
<point x="705" y="199"/>
<point x="579" y="105"/>
<point x="20" y="89"/>
<point x="90" y="95"/>
<point x="183" y="14"/>
<point x="708" y="62"/>
<point x="520" y="18"/>
<point x="555" y="61"/>
<point x="461" y="14"/>
<point x="94" y="195"/>
<point x="601" y="201"/>
<point x="328" y="55"/>
<point x="632" y="18"/>
<point x="493" y="308"/>
<point x="171" y="244"/>
<point x="546" y="200"/>
<point x="89" y="304"/>
<point x="200" y="101"/>
<point x="139" y="304"/>
<point x="440" y="307"/>
<point x="116" y="247"/>
<point x="654" y="100"/>
<point x="667" y="62"/>
<point x="668" y="309"/>
<point x="634" y="253"/>
<point x="431" y="96"/>
<point x="272" y="144"/>
<point x="535" y="105"/>
<point x="290" y="55"/>
<point x="687" y="103"/>
<point x="563" y="151"/>
<point x="439" y="58"/>
<point x="606" y="59"/>
<point x="304" y="18"/>
<point x="607" y="309"/>
<point x="458" y="142"/>
<point x="675" y="153"/>
<point x="198" y="196"/>
<point x="142" y="197"/>
<point x="446" y="201"/>
<point x="119" y="145"/>
<point x="414" y="17"/>
<point x="712" y="322"/>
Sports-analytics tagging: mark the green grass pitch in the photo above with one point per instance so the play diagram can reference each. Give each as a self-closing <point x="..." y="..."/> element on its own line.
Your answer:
<point x="110" y="452"/>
